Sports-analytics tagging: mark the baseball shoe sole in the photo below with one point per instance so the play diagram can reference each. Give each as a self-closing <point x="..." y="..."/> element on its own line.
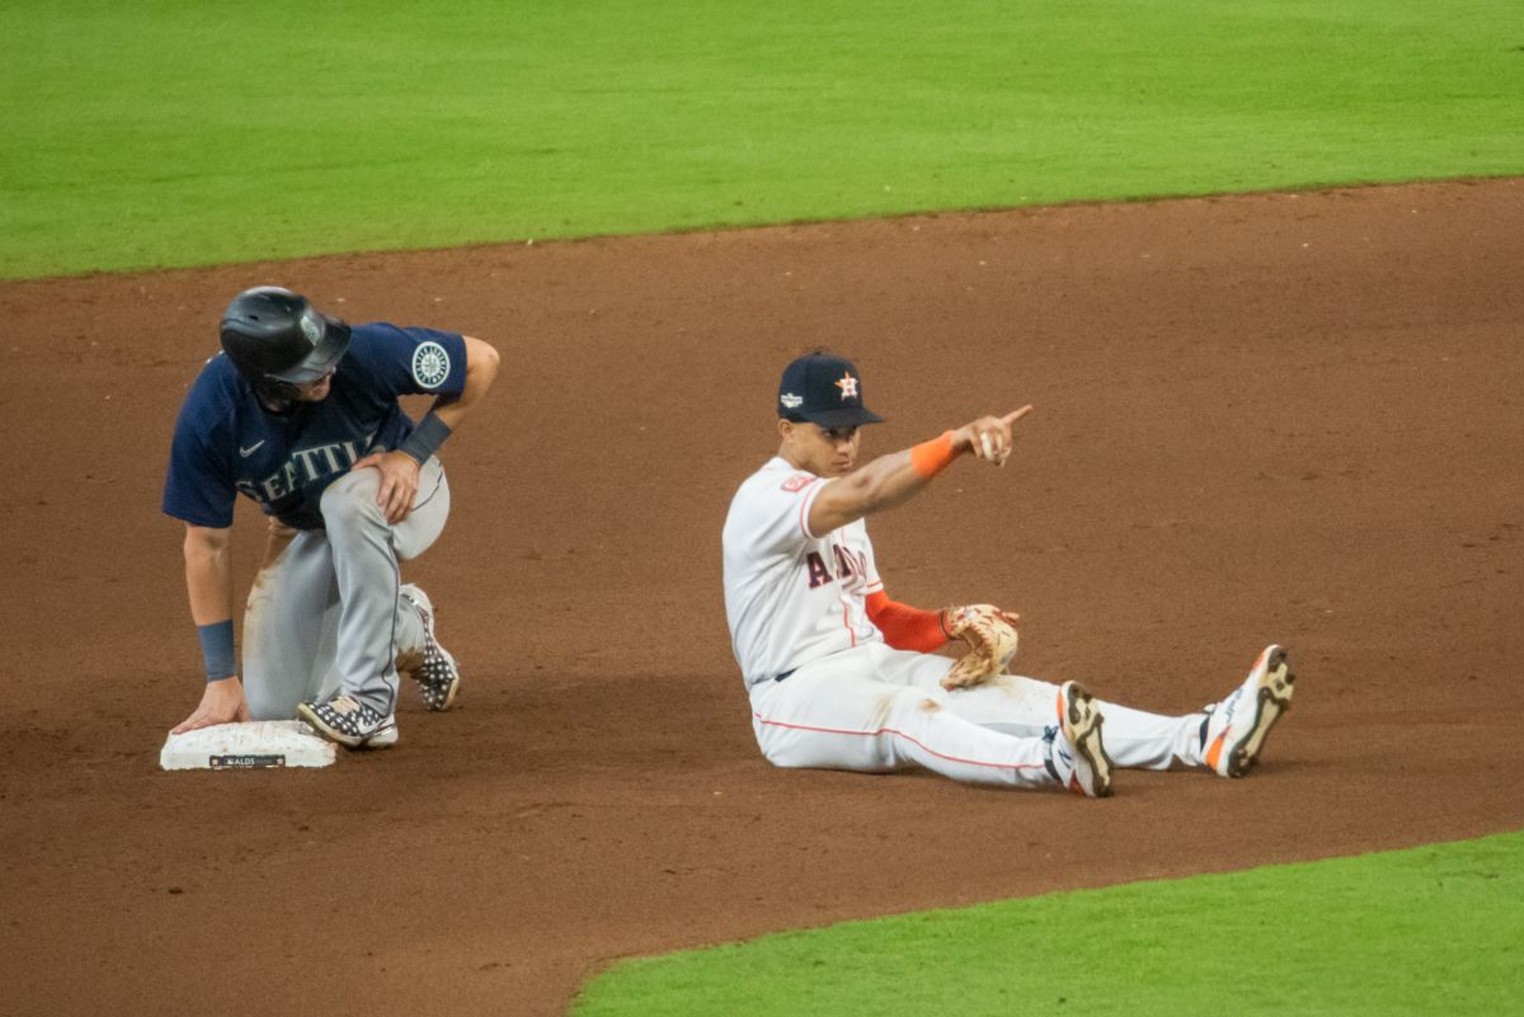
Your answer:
<point x="1250" y="712"/>
<point x="1080" y="725"/>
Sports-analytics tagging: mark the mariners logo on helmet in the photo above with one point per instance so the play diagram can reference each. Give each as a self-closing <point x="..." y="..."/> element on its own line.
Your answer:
<point x="431" y="365"/>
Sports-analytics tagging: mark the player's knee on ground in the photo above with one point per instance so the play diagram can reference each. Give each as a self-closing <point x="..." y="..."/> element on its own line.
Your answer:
<point x="267" y="702"/>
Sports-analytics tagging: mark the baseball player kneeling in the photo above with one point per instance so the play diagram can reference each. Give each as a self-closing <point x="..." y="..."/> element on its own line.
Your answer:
<point x="841" y="677"/>
<point x="300" y="413"/>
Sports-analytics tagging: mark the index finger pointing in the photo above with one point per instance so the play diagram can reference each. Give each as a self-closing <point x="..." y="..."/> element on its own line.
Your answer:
<point x="1015" y="415"/>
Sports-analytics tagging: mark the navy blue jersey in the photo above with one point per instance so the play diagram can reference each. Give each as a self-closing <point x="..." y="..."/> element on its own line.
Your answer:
<point x="227" y="442"/>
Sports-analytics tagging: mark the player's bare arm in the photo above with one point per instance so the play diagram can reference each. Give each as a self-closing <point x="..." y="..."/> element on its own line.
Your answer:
<point x="892" y="479"/>
<point x="209" y="584"/>
<point x="481" y="372"/>
<point x="399" y="470"/>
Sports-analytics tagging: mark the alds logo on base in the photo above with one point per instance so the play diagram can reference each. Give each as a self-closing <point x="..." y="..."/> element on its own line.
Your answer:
<point x="246" y="762"/>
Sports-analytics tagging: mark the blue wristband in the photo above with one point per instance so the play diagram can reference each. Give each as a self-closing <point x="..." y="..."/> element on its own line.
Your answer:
<point x="426" y="438"/>
<point x="217" y="649"/>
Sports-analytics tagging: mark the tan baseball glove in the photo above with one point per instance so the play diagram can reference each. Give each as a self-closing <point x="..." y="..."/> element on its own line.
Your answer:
<point x="991" y="637"/>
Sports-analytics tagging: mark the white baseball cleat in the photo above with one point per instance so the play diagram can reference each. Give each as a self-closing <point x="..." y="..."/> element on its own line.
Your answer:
<point x="438" y="676"/>
<point x="350" y="722"/>
<point x="1236" y="728"/>
<point x="1078" y="760"/>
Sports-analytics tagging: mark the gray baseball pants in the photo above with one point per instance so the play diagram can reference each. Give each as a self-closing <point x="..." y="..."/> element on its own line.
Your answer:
<point x="325" y="617"/>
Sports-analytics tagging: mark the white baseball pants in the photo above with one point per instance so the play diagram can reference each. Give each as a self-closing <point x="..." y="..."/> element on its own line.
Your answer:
<point x="876" y="709"/>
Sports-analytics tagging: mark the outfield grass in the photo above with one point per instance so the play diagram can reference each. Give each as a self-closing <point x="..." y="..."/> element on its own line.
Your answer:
<point x="1416" y="933"/>
<point x="176" y="132"/>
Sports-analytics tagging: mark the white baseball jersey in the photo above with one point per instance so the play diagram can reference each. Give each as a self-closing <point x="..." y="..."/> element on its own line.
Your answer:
<point x="792" y="596"/>
<point x="796" y="600"/>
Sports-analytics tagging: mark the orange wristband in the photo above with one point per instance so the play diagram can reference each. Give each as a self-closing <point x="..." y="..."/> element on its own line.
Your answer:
<point x="932" y="457"/>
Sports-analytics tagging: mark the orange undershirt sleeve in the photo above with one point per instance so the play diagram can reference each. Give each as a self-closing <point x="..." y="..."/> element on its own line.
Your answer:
<point x="905" y="627"/>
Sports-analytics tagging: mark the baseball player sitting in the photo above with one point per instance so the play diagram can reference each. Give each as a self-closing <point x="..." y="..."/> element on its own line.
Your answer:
<point x="300" y="413"/>
<point x="841" y="677"/>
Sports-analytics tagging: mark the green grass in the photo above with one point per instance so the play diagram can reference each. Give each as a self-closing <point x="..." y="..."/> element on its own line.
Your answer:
<point x="179" y="132"/>
<point x="1415" y="933"/>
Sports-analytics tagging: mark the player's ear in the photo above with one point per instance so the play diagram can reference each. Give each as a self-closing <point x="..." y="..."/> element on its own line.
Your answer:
<point x="785" y="428"/>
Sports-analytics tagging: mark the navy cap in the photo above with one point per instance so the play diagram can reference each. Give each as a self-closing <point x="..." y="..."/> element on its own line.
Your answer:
<point x="824" y="390"/>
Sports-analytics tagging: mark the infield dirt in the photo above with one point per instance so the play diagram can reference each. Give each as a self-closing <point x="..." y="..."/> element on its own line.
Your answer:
<point x="1293" y="418"/>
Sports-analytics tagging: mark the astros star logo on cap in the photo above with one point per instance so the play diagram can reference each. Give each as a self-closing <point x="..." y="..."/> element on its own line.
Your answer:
<point x="848" y="386"/>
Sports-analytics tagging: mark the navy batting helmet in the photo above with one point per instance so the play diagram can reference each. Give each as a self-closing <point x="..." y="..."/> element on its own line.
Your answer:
<point x="278" y="340"/>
